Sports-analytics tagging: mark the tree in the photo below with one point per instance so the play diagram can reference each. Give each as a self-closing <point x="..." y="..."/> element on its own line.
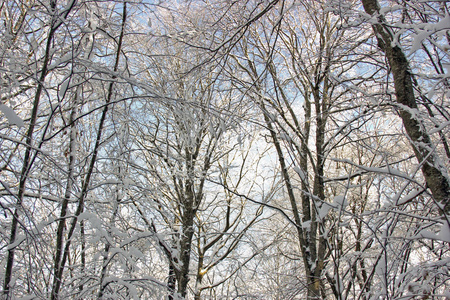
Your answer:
<point x="188" y="148"/>
<point x="404" y="91"/>
<point x="54" y="21"/>
<point x="309" y="65"/>
<point x="61" y="256"/>
<point x="408" y="198"/>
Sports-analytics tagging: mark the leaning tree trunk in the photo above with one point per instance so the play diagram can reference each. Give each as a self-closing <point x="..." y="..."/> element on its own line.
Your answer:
<point x="404" y="91"/>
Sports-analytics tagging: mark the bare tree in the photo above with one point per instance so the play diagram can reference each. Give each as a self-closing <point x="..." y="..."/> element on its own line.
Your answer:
<point x="55" y="19"/>
<point x="308" y="66"/>
<point x="405" y="96"/>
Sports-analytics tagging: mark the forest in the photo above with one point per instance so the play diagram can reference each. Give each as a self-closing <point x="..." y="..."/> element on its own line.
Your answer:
<point x="225" y="149"/>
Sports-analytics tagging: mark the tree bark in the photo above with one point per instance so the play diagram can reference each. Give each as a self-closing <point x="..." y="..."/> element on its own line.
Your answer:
<point x="171" y="282"/>
<point x="187" y="230"/>
<point x="404" y="91"/>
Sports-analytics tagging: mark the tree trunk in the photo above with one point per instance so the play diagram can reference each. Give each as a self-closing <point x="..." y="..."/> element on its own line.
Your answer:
<point x="171" y="282"/>
<point x="187" y="233"/>
<point x="69" y="185"/>
<point x="404" y="91"/>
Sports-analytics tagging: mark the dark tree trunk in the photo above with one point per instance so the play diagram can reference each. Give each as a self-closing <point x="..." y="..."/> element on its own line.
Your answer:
<point x="171" y="282"/>
<point x="404" y="91"/>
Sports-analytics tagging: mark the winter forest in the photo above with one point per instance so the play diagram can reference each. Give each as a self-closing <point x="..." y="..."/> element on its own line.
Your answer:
<point x="220" y="149"/>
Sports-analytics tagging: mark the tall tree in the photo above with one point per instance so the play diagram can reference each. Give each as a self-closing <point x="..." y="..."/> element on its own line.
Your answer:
<point x="307" y="51"/>
<point x="55" y="19"/>
<point x="432" y="169"/>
